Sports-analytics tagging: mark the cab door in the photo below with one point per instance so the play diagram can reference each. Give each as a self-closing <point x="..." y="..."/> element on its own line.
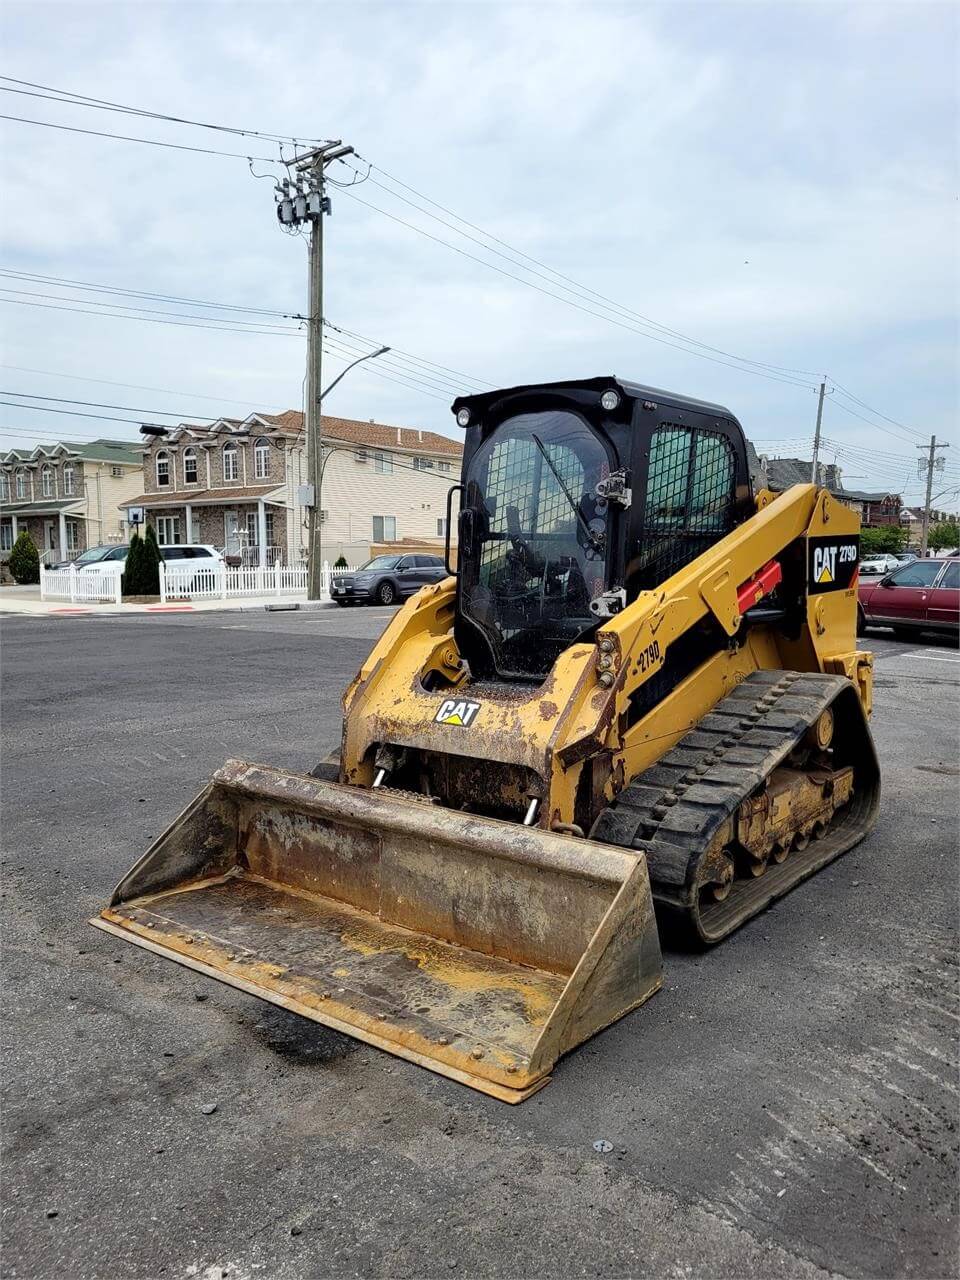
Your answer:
<point x="902" y="596"/>
<point x="943" y="604"/>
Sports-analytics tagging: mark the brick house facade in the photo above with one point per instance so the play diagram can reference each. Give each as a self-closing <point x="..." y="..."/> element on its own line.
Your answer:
<point x="67" y="496"/>
<point x="236" y="484"/>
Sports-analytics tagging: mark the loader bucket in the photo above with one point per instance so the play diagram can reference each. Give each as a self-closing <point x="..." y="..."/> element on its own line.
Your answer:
<point x="474" y="947"/>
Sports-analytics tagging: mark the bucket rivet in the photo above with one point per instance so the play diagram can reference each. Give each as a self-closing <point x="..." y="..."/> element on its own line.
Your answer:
<point x="477" y="1052"/>
<point x="443" y="1040"/>
<point x="382" y="1017"/>
<point x="511" y="1067"/>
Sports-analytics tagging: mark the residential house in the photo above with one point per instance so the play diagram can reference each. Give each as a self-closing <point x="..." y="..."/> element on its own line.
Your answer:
<point x="238" y="484"/>
<point x="912" y="519"/>
<point x="875" y="509"/>
<point x="783" y="473"/>
<point x="67" y="496"/>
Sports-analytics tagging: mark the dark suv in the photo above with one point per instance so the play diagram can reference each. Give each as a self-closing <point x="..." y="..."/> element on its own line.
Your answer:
<point x="385" y="579"/>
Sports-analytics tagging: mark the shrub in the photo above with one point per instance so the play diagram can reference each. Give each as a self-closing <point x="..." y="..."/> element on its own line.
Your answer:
<point x="884" y="539"/>
<point x="132" y="569"/>
<point x="150" y="564"/>
<point x="945" y="534"/>
<point x="24" y="560"/>
<point x="341" y="563"/>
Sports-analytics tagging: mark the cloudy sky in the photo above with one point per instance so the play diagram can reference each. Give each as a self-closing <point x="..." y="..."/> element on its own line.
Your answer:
<point x="770" y="185"/>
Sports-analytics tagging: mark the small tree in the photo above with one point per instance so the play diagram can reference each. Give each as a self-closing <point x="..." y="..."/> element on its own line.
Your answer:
<point x="24" y="560"/>
<point x="341" y="563"/>
<point x="943" y="535"/>
<point x="885" y="538"/>
<point x="132" y="569"/>
<point x="150" y="564"/>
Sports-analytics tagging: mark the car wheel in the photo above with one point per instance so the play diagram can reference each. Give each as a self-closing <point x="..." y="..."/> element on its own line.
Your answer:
<point x="386" y="593"/>
<point x="342" y="603"/>
<point x="904" y="633"/>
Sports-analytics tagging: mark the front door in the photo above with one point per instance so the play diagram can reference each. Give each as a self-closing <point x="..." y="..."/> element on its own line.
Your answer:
<point x="231" y="533"/>
<point x="49" y="535"/>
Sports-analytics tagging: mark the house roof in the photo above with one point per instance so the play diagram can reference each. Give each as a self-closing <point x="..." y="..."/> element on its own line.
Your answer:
<point x="49" y="507"/>
<point x="198" y="497"/>
<point x="290" y="423"/>
<point x="782" y="473"/>
<point x="859" y="496"/>
<point x="119" y="451"/>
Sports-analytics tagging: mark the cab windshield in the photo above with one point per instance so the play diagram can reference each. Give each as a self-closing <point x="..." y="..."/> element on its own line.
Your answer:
<point x="93" y="555"/>
<point x="535" y="553"/>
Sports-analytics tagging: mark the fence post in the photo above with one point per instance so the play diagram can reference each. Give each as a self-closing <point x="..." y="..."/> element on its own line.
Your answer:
<point x="116" y="588"/>
<point x="163" y="583"/>
<point x="73" y="584"/>
<point x="43" y="584"/>
<point x="223" y="579"/>
<point x="325" y="580"/>
<point x="276" y="575"/>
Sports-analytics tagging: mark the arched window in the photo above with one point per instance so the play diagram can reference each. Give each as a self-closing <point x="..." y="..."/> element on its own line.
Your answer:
<point x="261" y="459"/>
<point x="231" y="462"/>
<point x="69" y="479"/>
<point x="21" y="484"/>
<point x="190" y="466"/>
<point x="4" y="488"/>
<point x="163" y="469"/>
<point x="46" y="482"/>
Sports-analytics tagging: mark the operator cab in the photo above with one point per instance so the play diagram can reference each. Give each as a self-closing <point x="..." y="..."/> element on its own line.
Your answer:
<point x="575" y="497"/>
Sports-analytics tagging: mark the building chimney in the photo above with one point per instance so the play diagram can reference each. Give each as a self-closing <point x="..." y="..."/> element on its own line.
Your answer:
<point x="399" y="437"/>
<point x="419" y="435"/>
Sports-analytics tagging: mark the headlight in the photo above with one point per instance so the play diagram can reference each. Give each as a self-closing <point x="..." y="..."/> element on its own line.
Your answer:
<point x="463" y="417"/>
<point x="609" y="401"/>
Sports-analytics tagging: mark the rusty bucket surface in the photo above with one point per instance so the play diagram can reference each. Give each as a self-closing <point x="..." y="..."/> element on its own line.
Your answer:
<point x="476" y="948"/>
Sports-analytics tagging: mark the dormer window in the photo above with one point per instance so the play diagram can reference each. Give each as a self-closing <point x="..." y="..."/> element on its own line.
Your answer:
<point x="46" y="482"/>
<point x="190" y="466"/>
<point x="163" y="469"/>
<point x="69" y="480"/>
<point x="261" y="459"/>
<point x="231" y="462"/>
<point x="21" y="484"/>
<point x="4" y="488"/>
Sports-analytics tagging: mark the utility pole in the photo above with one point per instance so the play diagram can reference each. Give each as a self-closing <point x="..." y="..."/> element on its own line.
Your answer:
<point x="931" y="462"/>
<point x="303" y="199"/>
<point x="816" y="434"/>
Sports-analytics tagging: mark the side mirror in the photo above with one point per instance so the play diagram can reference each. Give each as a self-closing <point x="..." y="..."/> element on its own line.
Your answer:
<point x="887" y="580"/>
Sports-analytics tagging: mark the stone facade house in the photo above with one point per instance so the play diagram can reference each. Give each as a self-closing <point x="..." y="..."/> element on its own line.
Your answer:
<point x="67" y="496"/>
<point x="237" y="484"/>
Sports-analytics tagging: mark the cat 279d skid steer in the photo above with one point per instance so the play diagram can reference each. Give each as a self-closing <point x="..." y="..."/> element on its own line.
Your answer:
<point x="641" y="689"/>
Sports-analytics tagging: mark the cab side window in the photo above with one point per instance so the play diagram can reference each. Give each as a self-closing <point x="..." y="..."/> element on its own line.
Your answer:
<point x="951" y="575"/>
<point x="922" y="573"/>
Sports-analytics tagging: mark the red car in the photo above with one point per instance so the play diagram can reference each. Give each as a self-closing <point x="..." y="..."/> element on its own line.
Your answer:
<point x="921" y="596"/>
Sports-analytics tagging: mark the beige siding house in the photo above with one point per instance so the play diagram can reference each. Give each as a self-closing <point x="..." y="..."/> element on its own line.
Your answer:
<point x="238" y="483"/>
<point x="67" y="496"/>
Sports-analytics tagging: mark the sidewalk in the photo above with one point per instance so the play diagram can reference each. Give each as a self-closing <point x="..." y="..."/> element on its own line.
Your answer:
<point x="26" y="600"/>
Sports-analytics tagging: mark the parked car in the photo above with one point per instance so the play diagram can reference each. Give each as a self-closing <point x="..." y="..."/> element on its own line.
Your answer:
<point x="105" y="558"/>
<point x="385" y="579"/>
<point x="921" y="596"/>
<point x="877" y="566"/>
<point x="906" y="557"/>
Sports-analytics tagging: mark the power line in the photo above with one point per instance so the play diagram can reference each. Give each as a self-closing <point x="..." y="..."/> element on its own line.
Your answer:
<point x="863" y="404"/>
<point x="149" y="142"/>
<point x="176" y="323"/>
<point x="123" y="306"/>
<point x="102" y="104"/>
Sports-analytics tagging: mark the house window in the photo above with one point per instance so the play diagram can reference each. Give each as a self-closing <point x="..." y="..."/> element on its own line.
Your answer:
<point x="73" y="535"/>
<point x="383" y="463"/>
<point x="46" y="482"/>
<point x="117" y="473"/>
<point x="168" y="530"/>
<point x="4" y="488"/>
<point x="6" y="535"/>
<point x="21" y="484"/>
<point x="384" y="528"/>
<point x="231" y="462"/>
<point x="443" y="466"/>
<point x="441" y="528"/>
<point x="261" y="459"/>
<point x="423" y="464"/>
<point x="189" y="466"/>
<point x="163" y="469"/>
<point x="69" y="480"/>
<point x="253" y="539"/>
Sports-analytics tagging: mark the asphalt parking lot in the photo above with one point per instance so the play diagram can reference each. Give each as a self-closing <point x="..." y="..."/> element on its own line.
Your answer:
<point x="786" y="1106"/>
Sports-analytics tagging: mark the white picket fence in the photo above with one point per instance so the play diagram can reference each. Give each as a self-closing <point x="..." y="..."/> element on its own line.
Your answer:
<point x="80" y="586"/>
<point x="185" y="580"/>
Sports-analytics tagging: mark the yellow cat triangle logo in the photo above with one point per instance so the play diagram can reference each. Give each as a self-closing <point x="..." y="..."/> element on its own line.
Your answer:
<point x="825" y="575"/>
<point x="458" y="711"/>
<point x="453" y="718"/>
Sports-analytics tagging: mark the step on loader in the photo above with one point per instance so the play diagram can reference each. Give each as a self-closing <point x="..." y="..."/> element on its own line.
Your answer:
<point x="638" y="701"/>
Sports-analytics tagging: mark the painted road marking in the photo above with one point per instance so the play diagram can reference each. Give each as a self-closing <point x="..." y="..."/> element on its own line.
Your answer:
<point x="933" y="657"/>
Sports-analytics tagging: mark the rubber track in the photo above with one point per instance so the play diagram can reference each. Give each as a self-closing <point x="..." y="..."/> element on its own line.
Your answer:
<point x="673" y="810"/>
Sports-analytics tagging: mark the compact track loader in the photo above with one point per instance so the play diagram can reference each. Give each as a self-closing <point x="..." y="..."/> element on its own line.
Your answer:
<point x="639" y="699"/>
